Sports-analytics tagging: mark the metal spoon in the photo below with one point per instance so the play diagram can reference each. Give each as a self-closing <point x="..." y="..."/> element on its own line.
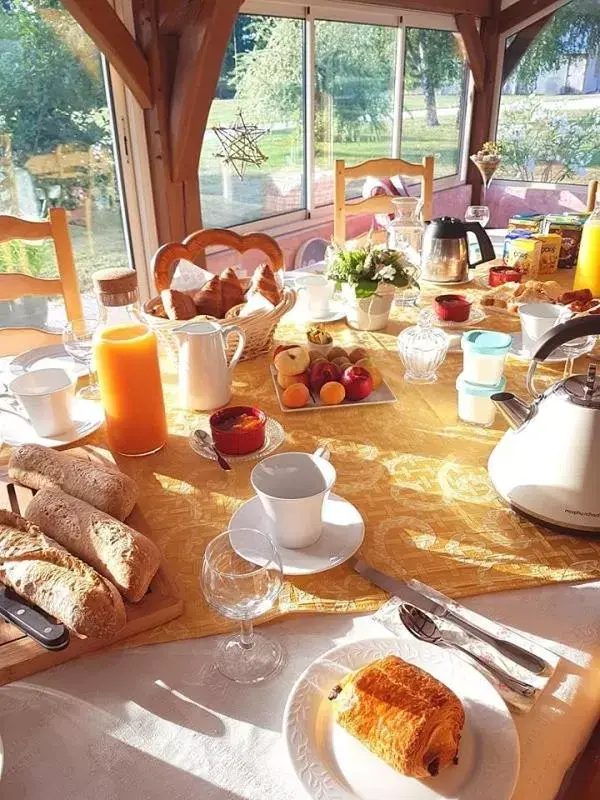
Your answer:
<point x="424" y="628"/>
<point x="204" y="439"/>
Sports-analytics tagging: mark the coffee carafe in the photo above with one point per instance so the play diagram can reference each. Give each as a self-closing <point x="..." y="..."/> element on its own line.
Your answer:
<point x="445" y="252"/>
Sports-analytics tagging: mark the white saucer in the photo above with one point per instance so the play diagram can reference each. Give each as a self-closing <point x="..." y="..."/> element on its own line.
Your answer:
<point x="336" y="313"/>
<point x="16" y="430"/>
<point x="343" y="533"/>
<point x="53" y="355"/>
<point x="560" y="354"/>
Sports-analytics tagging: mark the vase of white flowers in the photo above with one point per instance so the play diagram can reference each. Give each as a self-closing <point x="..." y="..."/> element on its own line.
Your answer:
<point x="368" y="278"/>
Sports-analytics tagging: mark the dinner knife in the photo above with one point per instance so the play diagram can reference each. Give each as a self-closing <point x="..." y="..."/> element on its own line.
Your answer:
<point x="33" y="622"/>
<point x="405" y="592"/>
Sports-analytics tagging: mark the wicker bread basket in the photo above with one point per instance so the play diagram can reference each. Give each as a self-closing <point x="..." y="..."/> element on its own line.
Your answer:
<point x="259" y="326"/>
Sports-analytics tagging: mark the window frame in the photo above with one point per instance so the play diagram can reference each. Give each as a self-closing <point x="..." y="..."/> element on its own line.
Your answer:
<point x="337" y="11"/>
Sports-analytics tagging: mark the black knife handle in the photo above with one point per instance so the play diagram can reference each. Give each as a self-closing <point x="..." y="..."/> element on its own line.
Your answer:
<point x="42" y="628"/>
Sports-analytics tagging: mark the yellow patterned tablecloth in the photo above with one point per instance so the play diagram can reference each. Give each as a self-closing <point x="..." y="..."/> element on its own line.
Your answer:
<point x="416" y="473"/>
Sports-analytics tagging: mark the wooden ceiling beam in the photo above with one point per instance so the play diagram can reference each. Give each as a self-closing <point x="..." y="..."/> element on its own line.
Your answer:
<point x="111" y="37"/>
<point x="473" y="48"/>
<point x="476" y="8"/>
<point x="201" y="49"/>
<point x="521" y="43"/>
<point x="520" y="12"/>
<point x="173" y="14"/>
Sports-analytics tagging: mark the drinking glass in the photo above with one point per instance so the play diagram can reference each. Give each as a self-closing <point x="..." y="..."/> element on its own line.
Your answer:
<point x="241" y="579"/>
<point x="479" y="214"/>
<point x="78" y="337"/>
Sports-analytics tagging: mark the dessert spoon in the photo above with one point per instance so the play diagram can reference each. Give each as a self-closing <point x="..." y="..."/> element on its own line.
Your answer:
<point x="204" y="439"/>
<point x="424" y="628"/>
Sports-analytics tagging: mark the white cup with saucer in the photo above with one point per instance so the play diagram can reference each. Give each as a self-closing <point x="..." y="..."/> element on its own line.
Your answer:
<point x="318" y="290"/>
<point x="292" y="489"/>
<point x="536" y="320"/>
<point x="47" y="396"/>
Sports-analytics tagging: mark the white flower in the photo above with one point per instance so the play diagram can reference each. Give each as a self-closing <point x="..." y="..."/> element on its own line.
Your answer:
<point x="385" y="273"/>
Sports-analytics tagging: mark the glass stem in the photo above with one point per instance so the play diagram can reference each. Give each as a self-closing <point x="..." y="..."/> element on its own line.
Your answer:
<point x="247" y="634"/>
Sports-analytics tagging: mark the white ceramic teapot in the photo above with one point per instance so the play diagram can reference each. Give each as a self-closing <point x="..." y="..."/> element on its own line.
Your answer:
<point x="204" y="374"/>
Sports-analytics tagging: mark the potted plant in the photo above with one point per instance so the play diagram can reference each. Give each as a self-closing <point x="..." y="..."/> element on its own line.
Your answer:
<point x="368" y="277"/>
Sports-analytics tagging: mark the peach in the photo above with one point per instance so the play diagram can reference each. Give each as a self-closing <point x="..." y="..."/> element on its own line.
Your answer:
<point x="287" y="380"/>
<point x="296" y="395"/>
<point x="332" y="393"/>
<point x="292" y="361"/>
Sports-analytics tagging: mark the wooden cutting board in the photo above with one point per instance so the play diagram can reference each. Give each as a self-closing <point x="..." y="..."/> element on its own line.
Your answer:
<point x="21" y="656"/>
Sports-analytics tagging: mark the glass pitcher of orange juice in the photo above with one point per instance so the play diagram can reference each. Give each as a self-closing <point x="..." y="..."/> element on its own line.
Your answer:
<point x="126" y="356"/>
<point x="587" y="275"/>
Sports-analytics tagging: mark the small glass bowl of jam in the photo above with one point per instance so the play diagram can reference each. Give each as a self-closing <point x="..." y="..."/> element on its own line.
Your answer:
<point x="238" y="430"/>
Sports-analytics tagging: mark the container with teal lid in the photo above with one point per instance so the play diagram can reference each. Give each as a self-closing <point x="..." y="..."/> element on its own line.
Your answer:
<point x="474" y="403"/>
<point x="484" y="353"/>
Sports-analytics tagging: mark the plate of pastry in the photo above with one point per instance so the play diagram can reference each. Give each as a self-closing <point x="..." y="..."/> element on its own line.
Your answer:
<point x="385" y="718"/>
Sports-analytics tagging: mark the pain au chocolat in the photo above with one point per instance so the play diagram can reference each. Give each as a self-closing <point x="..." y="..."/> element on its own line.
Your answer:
<point x="401" y="714"/>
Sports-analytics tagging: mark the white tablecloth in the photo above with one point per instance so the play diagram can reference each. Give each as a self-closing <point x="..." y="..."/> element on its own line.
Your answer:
<point x="159" y="723"/>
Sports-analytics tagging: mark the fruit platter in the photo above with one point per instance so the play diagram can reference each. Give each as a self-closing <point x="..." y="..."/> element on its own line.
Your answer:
<point x="311" y="377"/>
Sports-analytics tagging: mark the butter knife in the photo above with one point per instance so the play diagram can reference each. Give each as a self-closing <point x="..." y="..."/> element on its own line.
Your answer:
<point x="405" y="592"/>
<point x="31" y="620"/>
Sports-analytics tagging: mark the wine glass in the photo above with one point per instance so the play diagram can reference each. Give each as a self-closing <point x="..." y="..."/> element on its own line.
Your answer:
<point x="241" y="579"/>
<point x="78" y="340"/>
<point x="480" y="214"/>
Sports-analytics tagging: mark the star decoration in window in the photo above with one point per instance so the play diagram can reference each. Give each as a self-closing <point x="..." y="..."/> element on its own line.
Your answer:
<point x="239" y="143"/>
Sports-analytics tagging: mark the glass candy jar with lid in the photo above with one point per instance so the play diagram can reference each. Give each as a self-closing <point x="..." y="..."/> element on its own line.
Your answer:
<point x="422" y="349"/>
<point x="126" y="356"/>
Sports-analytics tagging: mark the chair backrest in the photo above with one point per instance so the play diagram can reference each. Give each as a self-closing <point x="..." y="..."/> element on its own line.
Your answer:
<point x="18" y="284"/>
<point x="591" y="195"/>
<point x="380" y="204"/>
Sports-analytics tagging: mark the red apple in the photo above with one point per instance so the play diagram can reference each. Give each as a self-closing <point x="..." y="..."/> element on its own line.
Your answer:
<point x="357" y="382"/>
<point x="280" y="348"/>
<point x="321" y="372"/>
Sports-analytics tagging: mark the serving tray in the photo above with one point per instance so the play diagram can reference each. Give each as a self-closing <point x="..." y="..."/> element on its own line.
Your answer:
<point x="21" y="656"/>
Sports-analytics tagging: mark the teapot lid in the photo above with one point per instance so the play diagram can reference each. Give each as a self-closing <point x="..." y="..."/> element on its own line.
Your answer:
<point x="584" y="390"/>
<point x="447" y="228"/>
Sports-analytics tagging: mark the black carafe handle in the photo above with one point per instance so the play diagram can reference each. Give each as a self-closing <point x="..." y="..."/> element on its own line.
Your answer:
<point x="486" y="247"/>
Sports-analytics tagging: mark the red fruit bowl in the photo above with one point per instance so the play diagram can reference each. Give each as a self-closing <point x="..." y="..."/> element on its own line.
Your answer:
<point x="238" y="430"/>
<point x="452" y="307"/>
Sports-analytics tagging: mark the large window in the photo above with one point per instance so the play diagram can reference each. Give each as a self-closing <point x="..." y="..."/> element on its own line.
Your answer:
<point x="56" y="146"/>
<point x="261" y="89"/>
<point x="434" y="99"/>
<point x="295" y="94"/>
<point x="549" y="118"/>
<point x="354" y="99"/>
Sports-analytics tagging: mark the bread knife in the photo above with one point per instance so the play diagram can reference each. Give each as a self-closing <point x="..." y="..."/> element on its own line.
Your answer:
<point x="35" y="623"/>
<point x="405" y="592"/>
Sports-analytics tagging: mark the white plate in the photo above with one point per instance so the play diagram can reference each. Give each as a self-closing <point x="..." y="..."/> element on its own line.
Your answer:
<point x="88" y="417"/>
<point x="333" y="765"/>
<point x="560" y="354"/>
<point x="274" y="436"/>
<point x="382" y="395"/>
<point x="343" y="532"/>
<point x="53" y="355"/>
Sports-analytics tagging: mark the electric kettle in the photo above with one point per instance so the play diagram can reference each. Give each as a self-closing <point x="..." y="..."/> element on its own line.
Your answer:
<point x="548" y="464"/>
<point x="445" y="250"/>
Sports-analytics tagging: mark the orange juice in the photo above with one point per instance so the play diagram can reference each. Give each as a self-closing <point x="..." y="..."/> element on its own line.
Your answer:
<point x="126" y="358"/>
<point x="587" y="275"/>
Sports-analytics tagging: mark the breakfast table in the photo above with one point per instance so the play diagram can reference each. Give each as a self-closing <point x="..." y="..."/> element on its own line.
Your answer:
<point x="153" y="718"/>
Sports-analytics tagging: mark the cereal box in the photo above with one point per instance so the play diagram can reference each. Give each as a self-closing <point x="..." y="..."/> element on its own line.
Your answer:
<point x="524" y="254"/>
<point x="515" y="233"/>
<point x="550" y="252"/>
<point x="570" y="230"/>
<point x="527" y="222"/>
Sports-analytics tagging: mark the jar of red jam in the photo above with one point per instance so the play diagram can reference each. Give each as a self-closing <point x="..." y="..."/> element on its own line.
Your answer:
<point x="452" y="307"/>
<point x="499" y="275"/>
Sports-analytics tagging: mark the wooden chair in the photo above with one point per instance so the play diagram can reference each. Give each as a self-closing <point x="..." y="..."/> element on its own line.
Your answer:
<point x="591" y="195"/>
<point x="380" y="204"/>
<point x="18" y="284"/>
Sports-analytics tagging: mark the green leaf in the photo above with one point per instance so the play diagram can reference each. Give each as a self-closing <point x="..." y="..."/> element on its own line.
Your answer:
<point x="365" y="288"/>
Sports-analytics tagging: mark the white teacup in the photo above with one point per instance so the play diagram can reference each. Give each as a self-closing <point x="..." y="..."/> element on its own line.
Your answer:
<point x="292" y="488"/>
<point x="536" y="320"/>
<point x="47" y="397"/>
<point x="319" y="290"/>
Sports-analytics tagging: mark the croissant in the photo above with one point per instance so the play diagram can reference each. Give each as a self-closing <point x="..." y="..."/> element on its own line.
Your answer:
<point x="401" y="714"/>
<point x="264" y="283"/>
<point x="209" y="299"/>
<point x="232" y="293"/>
<point x="177" y="305"/>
